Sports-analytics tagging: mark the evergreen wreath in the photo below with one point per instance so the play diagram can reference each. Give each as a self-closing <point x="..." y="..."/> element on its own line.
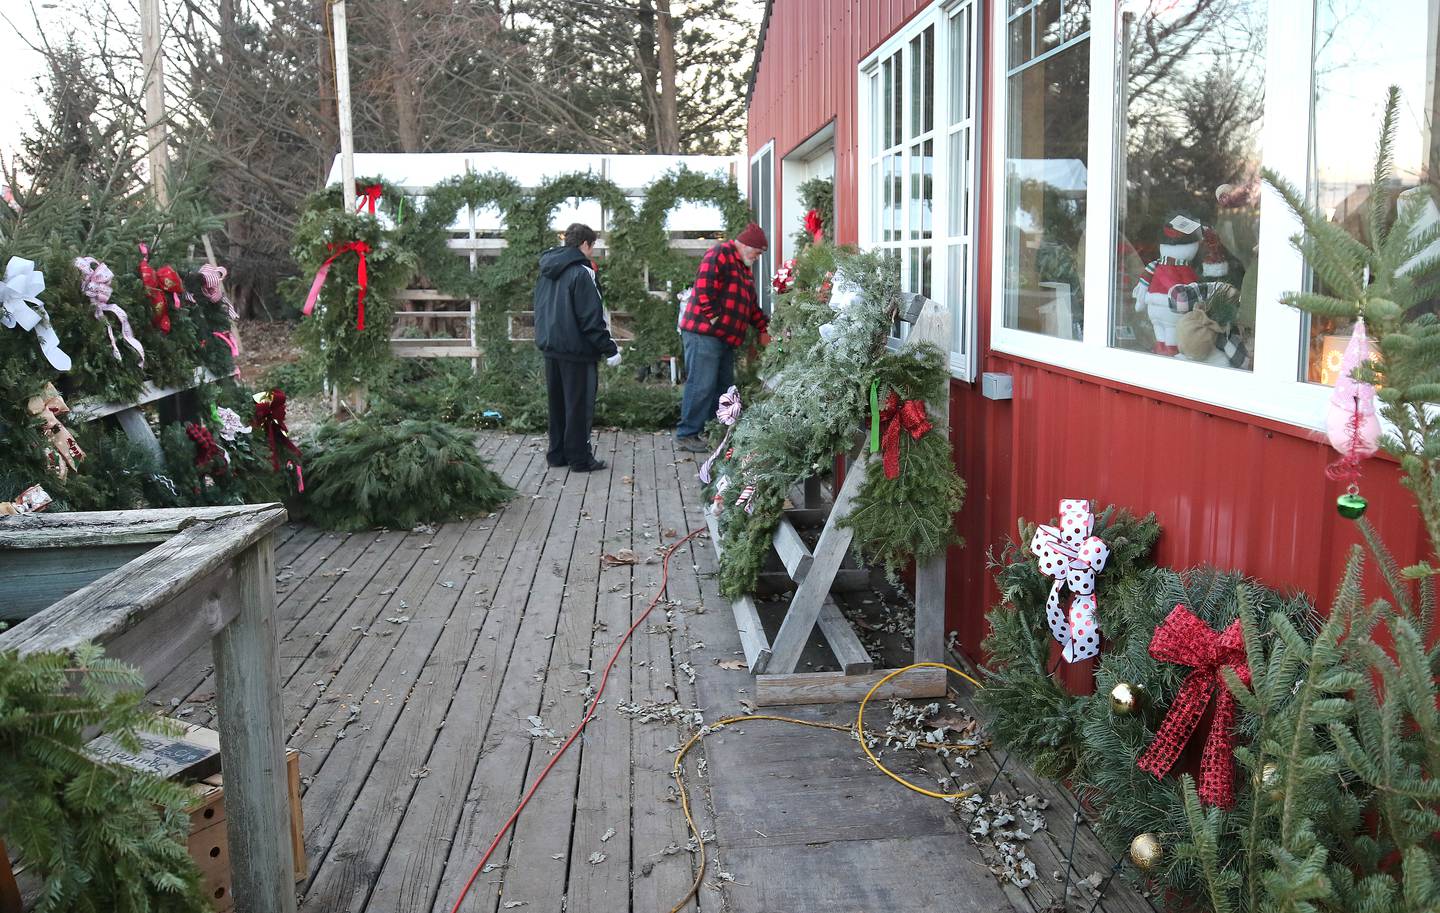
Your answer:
<point x="369" y="473"/>
<point x="1030" y="713"/>
<point x="817" y="194"/>
<point x="101" y="837"/>
<point x="647" y="243"/>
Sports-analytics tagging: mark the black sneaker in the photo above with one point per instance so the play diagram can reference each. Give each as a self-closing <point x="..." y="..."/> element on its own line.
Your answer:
<point x="591" y="466"/>
<point x="691" y="445"/>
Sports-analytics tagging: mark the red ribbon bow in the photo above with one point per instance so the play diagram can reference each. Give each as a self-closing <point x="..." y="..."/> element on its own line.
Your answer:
<point x="896" y="417"/>
<point x="206" y="450"/>
<point x="158" y="283"/>
<point x="369" y="196"/>
<point x="362" y="276"/>
<point x="270" y="420"/>
<point x="814" y="225"/>
<point x="1184" y="639"/>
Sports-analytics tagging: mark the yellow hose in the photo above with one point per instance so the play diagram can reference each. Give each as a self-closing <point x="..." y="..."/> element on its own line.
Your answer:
<point x="858" y="728"/>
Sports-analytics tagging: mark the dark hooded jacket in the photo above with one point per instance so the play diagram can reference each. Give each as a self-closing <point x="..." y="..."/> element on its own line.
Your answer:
<point x="569" y="320"/>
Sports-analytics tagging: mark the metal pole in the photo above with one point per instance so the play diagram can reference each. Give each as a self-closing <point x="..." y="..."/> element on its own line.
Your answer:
<point x="342" y="92"/>
<point x="158" y="152"/>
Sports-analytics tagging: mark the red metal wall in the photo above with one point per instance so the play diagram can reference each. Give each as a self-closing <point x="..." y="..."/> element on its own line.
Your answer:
<point x="1230" y="490"/>
<point x="807" y="78"/>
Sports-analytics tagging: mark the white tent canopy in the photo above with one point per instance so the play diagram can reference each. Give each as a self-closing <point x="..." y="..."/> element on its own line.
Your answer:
<point x="416" y="172"/>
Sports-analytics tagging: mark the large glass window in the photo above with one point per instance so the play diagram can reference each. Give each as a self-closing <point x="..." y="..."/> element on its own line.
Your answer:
<point x="1187" y="171"/>
<point x="1361" y="48"/>
<point x="1048" y="91"/>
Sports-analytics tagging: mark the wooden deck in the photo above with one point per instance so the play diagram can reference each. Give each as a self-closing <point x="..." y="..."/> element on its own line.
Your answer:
<point x="415" y="663"/>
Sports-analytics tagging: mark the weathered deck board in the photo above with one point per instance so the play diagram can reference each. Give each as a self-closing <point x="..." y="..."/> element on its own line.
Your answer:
<point x="400" y="809"/>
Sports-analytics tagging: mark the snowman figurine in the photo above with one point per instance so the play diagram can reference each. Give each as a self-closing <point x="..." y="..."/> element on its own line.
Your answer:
<point x="1165" y="286"/>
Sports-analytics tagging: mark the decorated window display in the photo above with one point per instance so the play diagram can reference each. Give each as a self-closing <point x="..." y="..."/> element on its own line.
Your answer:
<point x="1186" y="181"/>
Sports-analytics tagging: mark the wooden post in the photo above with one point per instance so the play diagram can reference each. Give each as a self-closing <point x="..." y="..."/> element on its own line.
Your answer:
<point x="342" y="92"/>
<point x="156" y="139"/>
<point x="252" y="738"/>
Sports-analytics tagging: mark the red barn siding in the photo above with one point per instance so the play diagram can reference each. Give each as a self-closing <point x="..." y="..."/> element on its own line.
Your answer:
<point x="1230" y="490"/>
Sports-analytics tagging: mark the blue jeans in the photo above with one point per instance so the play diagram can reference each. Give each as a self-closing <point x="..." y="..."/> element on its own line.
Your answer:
<point x="709" y="372"/>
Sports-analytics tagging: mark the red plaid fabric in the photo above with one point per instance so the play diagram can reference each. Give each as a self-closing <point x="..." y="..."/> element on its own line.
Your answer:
<point x="724" y="301"/>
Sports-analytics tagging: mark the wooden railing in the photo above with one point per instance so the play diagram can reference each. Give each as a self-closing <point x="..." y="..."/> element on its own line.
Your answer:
<point x="207" y="576"/>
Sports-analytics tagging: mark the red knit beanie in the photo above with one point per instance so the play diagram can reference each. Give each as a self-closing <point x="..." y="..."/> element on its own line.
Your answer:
<point x="753" y="236"/>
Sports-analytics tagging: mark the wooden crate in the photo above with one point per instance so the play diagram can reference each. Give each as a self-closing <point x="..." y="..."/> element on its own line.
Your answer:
<point x="209" y="841"/>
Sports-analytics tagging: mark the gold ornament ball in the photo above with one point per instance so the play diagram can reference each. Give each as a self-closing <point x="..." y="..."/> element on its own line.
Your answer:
<point x="1145" y="851"/>
<point x="1270" y="781"/>
<point x="1123" y="699"/>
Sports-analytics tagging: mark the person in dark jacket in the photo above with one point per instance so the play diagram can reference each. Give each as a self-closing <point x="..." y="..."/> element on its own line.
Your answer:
<point x="720" y="311"/>
<point x="571" y="333"/>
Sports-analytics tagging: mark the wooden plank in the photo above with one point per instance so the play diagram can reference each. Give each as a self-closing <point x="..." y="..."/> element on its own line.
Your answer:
<point x="369" y="813"/>
<point x="849" y="653"/>
<point x="805" y="607"/>
<point x="793" y="551"/>
<point x="425" y="294"/>
<point x="807" y="517"/>
<point x="34" y="579"/>
<point x="500" y="778"/>
<point x="847" y="580"/>
<point x="897" y="873"/>
<point x="837" y="687"/>
<point x="110" y="527"/>
<point x="195" y="563"/>
<point x="88" y="410"/>
<point x="431" y="349"/>
<point x="662" y="874"/>
<point x="410" y="874"/>
<point x="252" y="741"/>
<point x="546" y="827"/>
<point x="758" y="654"/>
<point x="435" y="314"/>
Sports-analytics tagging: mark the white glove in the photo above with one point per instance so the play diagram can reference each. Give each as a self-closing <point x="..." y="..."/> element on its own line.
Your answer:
<point x="614" y="360"/>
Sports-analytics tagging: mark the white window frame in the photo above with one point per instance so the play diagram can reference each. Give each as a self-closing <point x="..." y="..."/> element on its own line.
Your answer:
<point x="939" y="15"/>
<point x="765" y="264"/>
<point x="1273" y="390"/>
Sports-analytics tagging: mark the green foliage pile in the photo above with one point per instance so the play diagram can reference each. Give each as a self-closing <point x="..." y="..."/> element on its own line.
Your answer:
<point x="371" y="473"/>
<point x="102" y="838"/>
<point x="814" y="406"/>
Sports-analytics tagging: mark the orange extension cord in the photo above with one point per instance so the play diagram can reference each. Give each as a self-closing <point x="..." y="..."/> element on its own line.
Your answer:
<point x="594" y="705"/>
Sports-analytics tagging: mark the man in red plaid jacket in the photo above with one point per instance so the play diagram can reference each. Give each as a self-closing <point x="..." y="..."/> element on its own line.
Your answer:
<point x="719" y="313"/>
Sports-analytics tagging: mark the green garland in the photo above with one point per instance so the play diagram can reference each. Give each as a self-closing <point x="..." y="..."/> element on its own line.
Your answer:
<point x="102" y="838"/>
<point x="820" y="397"/>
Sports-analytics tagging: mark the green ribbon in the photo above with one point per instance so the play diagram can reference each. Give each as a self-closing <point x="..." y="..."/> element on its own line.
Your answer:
<point x="400" y="211"/>
<point x="875" y="416"/>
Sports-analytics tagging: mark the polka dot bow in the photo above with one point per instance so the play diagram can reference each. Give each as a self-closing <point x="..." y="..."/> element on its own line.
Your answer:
<point x="1073" y="557"/>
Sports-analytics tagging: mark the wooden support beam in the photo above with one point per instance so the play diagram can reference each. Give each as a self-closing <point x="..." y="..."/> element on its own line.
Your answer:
<point x="747" y="618"/>
<point x="849" y="652"/>
<point x="252" y="736"/>
<point x="839" y="688"/>
<point x="830" y="551"/>
<point x="793" y="551"/>
<point x="137" y="428"/>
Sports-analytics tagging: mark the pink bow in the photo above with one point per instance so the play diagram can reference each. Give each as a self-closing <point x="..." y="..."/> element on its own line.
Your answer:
<point x="96" y="284"/>
<point x="1073" y="557"/>
<point x="727" y="414"/>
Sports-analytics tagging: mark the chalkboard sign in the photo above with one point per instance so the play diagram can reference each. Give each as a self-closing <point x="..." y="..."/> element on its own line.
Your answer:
<point x="167" y="757"/>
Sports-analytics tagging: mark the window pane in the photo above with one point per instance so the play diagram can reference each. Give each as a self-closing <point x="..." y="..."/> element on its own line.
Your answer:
<point x="927" y="112"/>
<point x="1047" y="26"/>
<point x="957" y="295"/>
<point x="1186" y="182"/>
<point x="1021" y="49"/>
<point x="1361" y="49"/>
<point x="1045" y="180"/>
<point x="960" y="66"/>
<point x="917" y="92"/>
<point x="927" y="189"/>
<point x="887" y="71"/>
<point x="1075" y="19"/>
<point x="898" y="113"/>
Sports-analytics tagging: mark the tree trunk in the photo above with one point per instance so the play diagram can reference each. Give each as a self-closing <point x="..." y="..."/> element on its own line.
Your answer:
<point x="402" y="78"/>
<point x="668" y="132"/>
<point x="645" y="63"/>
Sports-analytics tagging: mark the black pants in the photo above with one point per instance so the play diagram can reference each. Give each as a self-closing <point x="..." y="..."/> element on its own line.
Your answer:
<point x="571" y="385"/>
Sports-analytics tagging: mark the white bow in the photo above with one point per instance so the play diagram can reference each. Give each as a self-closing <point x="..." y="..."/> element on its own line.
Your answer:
<point x="1073" y="557"/>
<point x="20" y="307"/>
